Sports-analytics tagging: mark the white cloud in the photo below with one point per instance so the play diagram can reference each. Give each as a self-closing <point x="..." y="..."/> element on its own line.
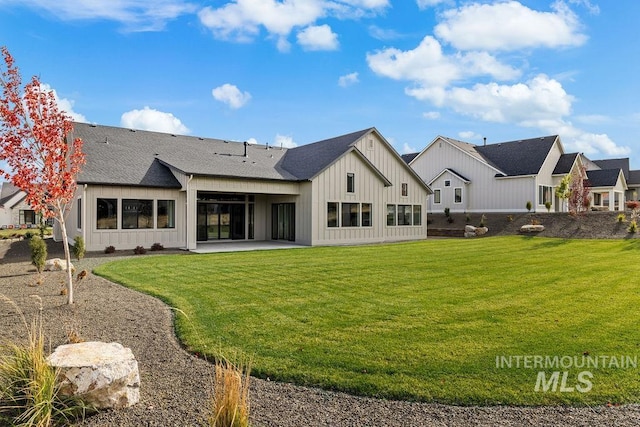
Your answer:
<point x="593" y="119"/>
<point x="243" y="20"/>
<point x="252" y="141"/>
<point x="135" y="15"/>
<point x="284" y="141"/>
<point x="348" y="79"/>
<point x="383" y="34"/>
<point x="64" y="104"/>
<point x="430" y="68"/>
<point x="318" y="38"/>
<point x="468" y="135"/>
<point x="153" y="120"/>
<point x="537" y="100"/>
<point x="407" y="149"/>
<point x="423" y="4"/>
<point x="473" y="27"/>
<point x="431" y="115"/>
<point x="231" y="95"/>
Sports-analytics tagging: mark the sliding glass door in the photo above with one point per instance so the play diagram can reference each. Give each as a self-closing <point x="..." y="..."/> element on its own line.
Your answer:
<point x="283" y="221"/>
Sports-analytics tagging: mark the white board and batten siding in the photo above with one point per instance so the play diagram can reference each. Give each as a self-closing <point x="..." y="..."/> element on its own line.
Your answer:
<point x="545" y="176"/>
<point x="331" y="186"/>
<point x="98" y="239"/>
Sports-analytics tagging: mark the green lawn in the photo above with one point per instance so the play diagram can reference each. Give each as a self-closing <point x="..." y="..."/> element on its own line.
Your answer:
<point x="419" y="321"/>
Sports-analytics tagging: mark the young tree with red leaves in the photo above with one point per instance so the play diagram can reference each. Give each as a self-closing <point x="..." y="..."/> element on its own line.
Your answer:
<point x="40" y="160"/>
<point x="579" y="192"/>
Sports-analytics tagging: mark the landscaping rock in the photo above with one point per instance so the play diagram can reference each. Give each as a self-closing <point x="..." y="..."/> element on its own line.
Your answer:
<point x="469" y="234"/>
<point x="104" y="375"/>
<point x="469" y="229"/>
<point x="530" y="228"/>
<point x="481" y="231"/>
<point x="57" y="264"/>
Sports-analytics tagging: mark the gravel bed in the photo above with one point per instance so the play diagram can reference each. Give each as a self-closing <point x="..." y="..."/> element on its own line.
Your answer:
<point x="175" y="385"/>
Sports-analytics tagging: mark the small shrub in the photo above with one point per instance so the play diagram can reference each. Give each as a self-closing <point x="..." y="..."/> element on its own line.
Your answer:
<point x="633" y="227"/>
<point x="157" y="247"/>
<point x="467" y="218"/>
<point x="450" y="219"/>
<point x="510" y="218"/>
<point x="529" y="206"/>
<point x="535" y="222"/>
<point x="139" y="250"/>
<point x="38" y="253"/>
<point x="483" y="218"/>
<point x="633" y="204"/>
<point x="109" y="250"/>
<point x="230" y="403"/>
<point x="28" y="235"/>
<point x="447" y="212"/>
<point x="621" y="217"/>
<point x="548" y="206"/>
<point x="78" y="248"/>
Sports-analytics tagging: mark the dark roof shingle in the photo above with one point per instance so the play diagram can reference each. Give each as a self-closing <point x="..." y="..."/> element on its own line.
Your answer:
<point x="603" y="177"/>
<point x="307" y="161"/>
<point x="515" y="158"/>
<point x="622" y="163"/>
<point x="565" y="163"/>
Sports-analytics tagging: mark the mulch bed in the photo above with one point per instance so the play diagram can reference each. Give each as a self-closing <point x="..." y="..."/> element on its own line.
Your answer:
<point x="175" y="385"/>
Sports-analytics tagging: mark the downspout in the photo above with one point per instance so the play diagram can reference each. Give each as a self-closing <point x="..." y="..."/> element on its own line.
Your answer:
<point x="83" y="214"/>
<point x="186" y="214"/>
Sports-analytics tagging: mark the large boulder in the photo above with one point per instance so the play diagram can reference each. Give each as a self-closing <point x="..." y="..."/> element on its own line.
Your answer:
<point x="532" y="228"/>
<point x="104" y="375"/>
<point x="57" y="264"/>
<point x="481" y="231"/>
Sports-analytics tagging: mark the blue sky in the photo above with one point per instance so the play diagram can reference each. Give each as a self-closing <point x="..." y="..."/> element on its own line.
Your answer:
<point x="292" y="72"/>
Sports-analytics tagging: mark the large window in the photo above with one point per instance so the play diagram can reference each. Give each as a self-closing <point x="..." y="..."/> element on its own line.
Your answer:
<point x="437" y="193"/>
<point x="366" y="215"/>
<point x="166" y="214"/>
<point x="457" y="195"/>
<point x="107" y="214"/>
<point x="545" y="194"/>
<point x="350" y="214"/>
<point x="404" y="214"/>
<point x="29" y="217"/>
<point x="351" y="183"/>
<point x="137" y="213"/>
<point x="391" y="214"/>
<point x="417" y="215"/>
<point x="332" y="214"/>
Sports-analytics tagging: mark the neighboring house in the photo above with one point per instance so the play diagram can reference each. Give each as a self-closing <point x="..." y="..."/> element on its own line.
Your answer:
<point x="632" y="177"/>
<point x="503" y="177"/>
<point x="14" y="211"/>
<point x="140" y="188"/>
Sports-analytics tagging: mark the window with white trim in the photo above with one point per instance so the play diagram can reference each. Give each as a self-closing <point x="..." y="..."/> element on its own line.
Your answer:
<point x="437" y="194"/>
<point x="457" y="195"/>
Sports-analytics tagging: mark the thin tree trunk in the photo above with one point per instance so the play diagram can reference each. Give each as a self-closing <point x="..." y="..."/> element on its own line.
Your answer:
<point x="67" y="254"/>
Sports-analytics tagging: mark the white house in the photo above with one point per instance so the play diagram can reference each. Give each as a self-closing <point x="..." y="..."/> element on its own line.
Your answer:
<point x="14" y="211"/>
<point x="506" y="176"/>
<point x="140" y="187"/>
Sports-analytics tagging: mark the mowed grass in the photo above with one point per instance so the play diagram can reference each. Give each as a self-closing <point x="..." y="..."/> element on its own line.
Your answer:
<point x="419" y="321"/>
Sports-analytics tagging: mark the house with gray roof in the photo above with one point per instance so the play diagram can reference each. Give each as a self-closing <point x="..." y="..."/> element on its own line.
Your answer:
<point x="139" y="187"/>
<point x="505" y="176"/>
<point x="14" y="211"/>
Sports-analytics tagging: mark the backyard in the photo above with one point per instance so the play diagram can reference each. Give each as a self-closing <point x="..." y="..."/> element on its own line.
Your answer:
<point x="419" y="321"/>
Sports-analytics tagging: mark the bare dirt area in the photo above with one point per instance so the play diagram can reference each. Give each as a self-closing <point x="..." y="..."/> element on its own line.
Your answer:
<point x="175" y="385"/>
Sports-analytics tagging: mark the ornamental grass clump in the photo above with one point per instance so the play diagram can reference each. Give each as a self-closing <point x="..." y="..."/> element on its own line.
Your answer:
<point x="230" y="403"/>
<point x="29" y="390"/>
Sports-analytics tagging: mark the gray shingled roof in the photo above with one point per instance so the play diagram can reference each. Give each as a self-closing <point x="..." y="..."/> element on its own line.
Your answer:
<point x="409" y="157"/>
<point x="134" y="157"/>
<point x="603" y="177"/>
<point x="307" y="161"/>
<point x="622" y="163"/>
<point x="565" y="163"/>
<point x="516" y="158"/>
<point x="7" y="191"/>
<point x="634" y="177"/>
